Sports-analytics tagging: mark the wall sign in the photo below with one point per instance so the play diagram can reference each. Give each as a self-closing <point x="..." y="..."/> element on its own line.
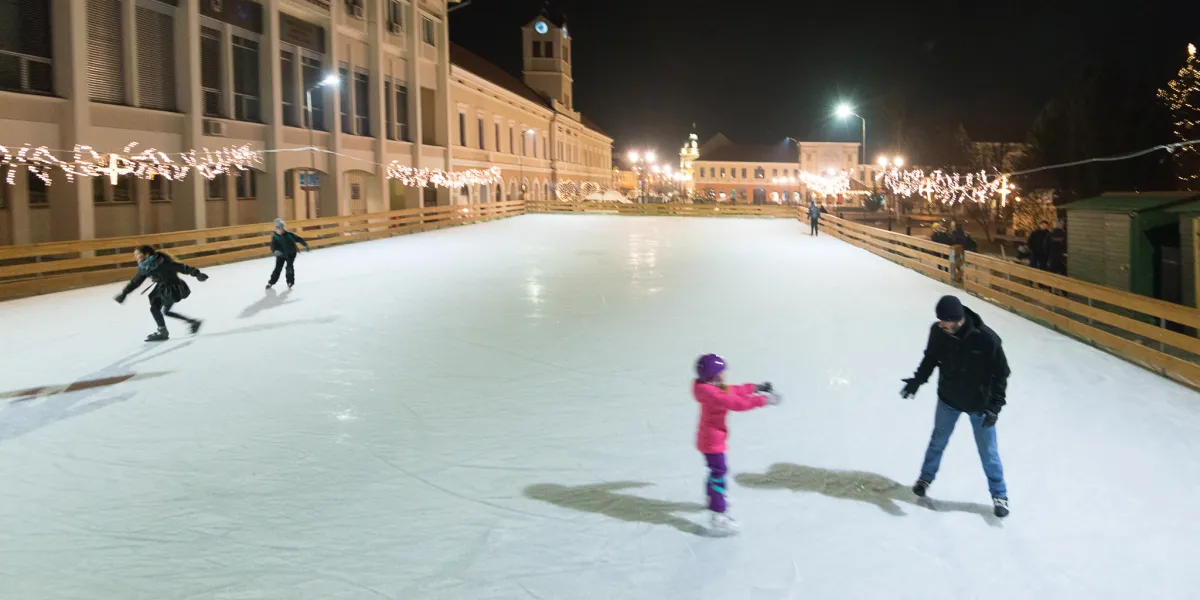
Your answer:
<point x="246" y="14"/>
<point x="301" y="33"/>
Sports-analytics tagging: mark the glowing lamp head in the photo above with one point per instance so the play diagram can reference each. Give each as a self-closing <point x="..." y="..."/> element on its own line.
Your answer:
<point x="331" y="81"/>
<point x="634" y="157"/>
<point x="883" y="161"/>
<point x="843" y="111"/>
<point x="899" y="162"/>
<point x="650" y="156"/>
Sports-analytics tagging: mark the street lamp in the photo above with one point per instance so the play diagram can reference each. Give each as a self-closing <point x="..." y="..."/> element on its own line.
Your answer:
<point x="844" y="111"/>
<point x="331" y="80"/>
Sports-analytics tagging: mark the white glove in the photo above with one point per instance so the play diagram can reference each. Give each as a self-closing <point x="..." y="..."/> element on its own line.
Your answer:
<point x="773" y="398"/>
<point x="278" y="253"/>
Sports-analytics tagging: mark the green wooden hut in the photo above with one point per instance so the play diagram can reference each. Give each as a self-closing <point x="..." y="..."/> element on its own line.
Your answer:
<point x="1189" y="249"/>
<point x="1128" y="241"/>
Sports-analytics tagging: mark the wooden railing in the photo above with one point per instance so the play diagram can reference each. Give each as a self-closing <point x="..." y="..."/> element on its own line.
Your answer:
<point x="930" y="258"/>
<point x="1151" y="332"/>
<point x="57" y="266"/>
<point x="666" y="210"/>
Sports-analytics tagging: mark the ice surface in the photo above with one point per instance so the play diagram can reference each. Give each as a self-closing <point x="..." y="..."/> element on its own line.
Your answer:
<point x="503" y="411"/>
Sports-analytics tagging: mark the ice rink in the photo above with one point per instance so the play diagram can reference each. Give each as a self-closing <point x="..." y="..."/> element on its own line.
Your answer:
<point x="503" y="411"/>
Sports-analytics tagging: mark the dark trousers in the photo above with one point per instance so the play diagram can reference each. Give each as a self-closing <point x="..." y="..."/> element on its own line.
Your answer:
<point x="280" y="261"/>
<point x="1040" y="261"/>
<point x="158" y="308"/>
<point x="716" y="482"/>
<point x="815" y="226"/>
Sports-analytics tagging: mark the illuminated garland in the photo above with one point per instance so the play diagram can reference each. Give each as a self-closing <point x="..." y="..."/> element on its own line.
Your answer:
<point x="147" y="164"/>
<point x="568" y="191"/>
<point x="1182" y="98"/>
<point x="411" y="177"/>
<point x="829" y="184"/>
<point x="947" y="188"/>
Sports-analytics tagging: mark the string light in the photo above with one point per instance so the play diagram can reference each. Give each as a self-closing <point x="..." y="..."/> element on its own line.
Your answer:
<point x="1182" y="98"/>
<point x="146" y="164"/>
<point x="832" y="183"/>
<point x="411" y="177"/>
<point x="946" y="188"/>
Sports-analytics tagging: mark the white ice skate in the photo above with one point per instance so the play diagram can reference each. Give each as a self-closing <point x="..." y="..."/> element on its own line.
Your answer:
<point x="723" y="525"/>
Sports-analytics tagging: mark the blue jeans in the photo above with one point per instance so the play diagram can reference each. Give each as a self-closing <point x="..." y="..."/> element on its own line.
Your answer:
<point x="985" y="440"/>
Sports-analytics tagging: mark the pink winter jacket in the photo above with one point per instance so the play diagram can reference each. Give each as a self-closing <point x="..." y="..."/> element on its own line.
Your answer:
<point x="714" y="404"/>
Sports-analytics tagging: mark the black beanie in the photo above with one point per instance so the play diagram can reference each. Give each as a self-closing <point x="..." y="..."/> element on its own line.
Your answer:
<point x="950" y="309"/>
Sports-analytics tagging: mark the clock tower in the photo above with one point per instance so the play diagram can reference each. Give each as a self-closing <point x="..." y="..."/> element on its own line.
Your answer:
<point x="547" y="52"/>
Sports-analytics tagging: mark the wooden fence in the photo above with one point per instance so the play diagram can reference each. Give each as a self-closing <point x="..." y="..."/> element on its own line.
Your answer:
<point x="1150" y="332"/>
<point x="57" y="266"/>
<point x="930" y="258"/>
<point x="666" y="210"/>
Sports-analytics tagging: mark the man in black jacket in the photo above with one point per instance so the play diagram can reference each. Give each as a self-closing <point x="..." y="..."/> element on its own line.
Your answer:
<point x="283" y="246"/>
<point x="1038" y="245"/>
<point x="972" y="378"/>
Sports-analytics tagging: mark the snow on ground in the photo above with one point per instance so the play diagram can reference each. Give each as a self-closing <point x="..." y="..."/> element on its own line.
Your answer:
<point x="503" y="411"/>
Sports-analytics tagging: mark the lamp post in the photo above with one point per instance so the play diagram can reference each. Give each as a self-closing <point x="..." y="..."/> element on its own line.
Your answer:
<point x="843" y="111"/>
<point x="330" y="80"/>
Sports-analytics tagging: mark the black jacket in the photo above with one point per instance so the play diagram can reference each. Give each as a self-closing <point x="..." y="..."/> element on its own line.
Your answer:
<point x="972" y="370"/>
<point x="286" y="243"/>
<point x="1056" y="249"/>
<point x="164" y="272"/>
<point x="1038" y="241"/>
<point x="941" y="237"/>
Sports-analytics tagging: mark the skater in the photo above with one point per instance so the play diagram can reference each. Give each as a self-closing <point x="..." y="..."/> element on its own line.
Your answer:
<point x="1056" y="250"/>
<point x="168" y="288"/>
<point x="283" y="245"/>
<point x="1039" y="246"/>
<point x="814" y="217"/>
<point x="716" y="399"/>
<point x="972" y="378"/>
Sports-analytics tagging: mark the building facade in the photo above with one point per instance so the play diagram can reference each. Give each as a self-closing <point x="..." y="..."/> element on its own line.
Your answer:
<point x="178" y="75"/>
<point x="758" y="174"/>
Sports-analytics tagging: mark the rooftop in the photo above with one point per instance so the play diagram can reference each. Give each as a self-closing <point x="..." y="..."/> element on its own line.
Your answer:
<point x="1132" y="201"/>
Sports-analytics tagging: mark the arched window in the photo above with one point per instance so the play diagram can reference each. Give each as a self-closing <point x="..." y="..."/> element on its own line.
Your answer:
<point x="760" y="173"/>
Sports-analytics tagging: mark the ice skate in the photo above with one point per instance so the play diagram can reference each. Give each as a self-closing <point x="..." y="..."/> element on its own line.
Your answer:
<point x="722" y="525"/>
<point x="1000" y="507"/>
<point x="194" y="325"/>
<point x="270" y="285"/>
<point x="920" y="487"/>
<point x="158" y="336"/>
<point x="290" y="285"/>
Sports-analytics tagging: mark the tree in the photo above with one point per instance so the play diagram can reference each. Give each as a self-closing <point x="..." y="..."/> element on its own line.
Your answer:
<point x="1035" y="207"/>
<point x="1182" y="98"/>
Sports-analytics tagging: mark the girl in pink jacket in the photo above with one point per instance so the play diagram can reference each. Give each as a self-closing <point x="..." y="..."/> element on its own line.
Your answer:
<point x="716" y="400"/>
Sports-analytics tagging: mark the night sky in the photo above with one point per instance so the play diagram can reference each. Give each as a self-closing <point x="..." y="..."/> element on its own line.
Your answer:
<point x="758" y="70"/>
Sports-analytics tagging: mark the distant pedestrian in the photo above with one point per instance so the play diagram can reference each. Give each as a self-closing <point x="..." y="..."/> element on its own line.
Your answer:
<point x="939" y="235"/>
<point x="1056" y="250"/>
<point x="972" y="378"/>
<point x="1039" y="245"/>
<point x="283" y="246"/>
<point x="814" y="218"/>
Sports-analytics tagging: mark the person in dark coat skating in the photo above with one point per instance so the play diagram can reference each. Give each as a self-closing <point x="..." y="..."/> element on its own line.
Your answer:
<point x="972" y="378"/>
<point x="283" y="246"/>
<point x="168" y="288"/>
<point x="814" y="218"/>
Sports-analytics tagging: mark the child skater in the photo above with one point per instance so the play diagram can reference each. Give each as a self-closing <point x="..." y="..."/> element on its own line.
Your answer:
<point x="168" y="289"/>
<point x="283" y="245"/>
<point x="716" y="399"/>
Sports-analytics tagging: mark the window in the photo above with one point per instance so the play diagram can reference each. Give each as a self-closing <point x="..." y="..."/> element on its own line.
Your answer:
<point x="210" y="72"/>
<point x="702" y="171"/>
<point x="427" y="31"/>
<point x="524" y="151"/>
<point x="395" y="16"/>
<point x="310" y="76"/>
<point x="247" y="184"/>
<point x="362" y="103"/>
<point x="796" y="173"/>
<point x="743" y="173"/>
<point x="549" y="49"/>
<point x="462" y="129"/>
<point x="560" y="150"/>
<point x="38" y="191"/>
<point x="511" y="150"/>
<point x="245" y="80"/>
<point x="160" y="189"/>
<point x="155" y="59"/>
<point x="497" y="136"/>
<point x="479" y="124"/>
<point x="347" y="119"/>
<point x="545" y="147"/>
<point x="537" y="48"/>
<point x="733" y="172"/>
<point x="214" y="189"/>
<point x="533" y="142"/>
<point x="25" y="64"/>
<point x="389" y="114"/>
<point x="103" y="191"/>
<point x="760" y="173"/>
<point x="354" y="8"/>
<point x="722" y="172"/>
<point x="287" y="68"/>
<point x="567" y="54"/>
<point x="105" y="56"/>
<point x="774" y="172"/>
<point x="401" y="112"/>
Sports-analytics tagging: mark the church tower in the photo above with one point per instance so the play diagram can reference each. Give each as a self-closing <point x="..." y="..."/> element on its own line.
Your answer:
<point x="688" y="155"/>
<point x="547" y="52"/>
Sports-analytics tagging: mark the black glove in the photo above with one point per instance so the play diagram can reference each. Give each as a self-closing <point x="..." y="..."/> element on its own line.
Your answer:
<point x="764" y="387"/>
<point x="201" y="277"/>
<point x="989" y="418"/>
<point x="120" y="298"/>
<point x="910" y="387"/>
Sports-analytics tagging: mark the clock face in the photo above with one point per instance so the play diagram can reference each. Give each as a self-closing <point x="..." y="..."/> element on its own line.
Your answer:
<point x="541" y="27"/>
<point x="564" y="31"/>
